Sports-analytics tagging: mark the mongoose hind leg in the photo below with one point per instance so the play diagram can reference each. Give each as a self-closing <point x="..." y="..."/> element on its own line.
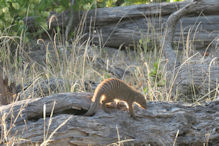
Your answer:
<point x="131" y="111"/>
<point x="121" y="106"/>
<point x="107" y="100"/>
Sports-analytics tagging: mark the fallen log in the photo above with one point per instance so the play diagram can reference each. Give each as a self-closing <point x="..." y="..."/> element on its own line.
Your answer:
<point x="162" y="123"/>
<point x="127" y="25"/>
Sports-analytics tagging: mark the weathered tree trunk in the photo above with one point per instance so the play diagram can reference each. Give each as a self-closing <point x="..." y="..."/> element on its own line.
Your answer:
<point x="189" y="80"/>
<point x="161" y="123"/>
<point x="190" y="8"/>
<point x="127" y="25"/>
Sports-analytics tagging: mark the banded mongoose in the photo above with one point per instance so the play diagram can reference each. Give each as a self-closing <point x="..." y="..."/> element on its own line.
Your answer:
<point x="116" y="89"/>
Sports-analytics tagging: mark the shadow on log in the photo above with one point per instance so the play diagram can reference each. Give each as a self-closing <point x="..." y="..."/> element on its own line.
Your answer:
<point x="162" y="123"/>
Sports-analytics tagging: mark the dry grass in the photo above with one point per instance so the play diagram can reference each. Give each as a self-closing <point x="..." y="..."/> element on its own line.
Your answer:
<point x="75" y="62"/>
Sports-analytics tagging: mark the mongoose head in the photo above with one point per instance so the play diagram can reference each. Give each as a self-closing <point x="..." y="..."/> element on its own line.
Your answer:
<point x="140" y="99"/>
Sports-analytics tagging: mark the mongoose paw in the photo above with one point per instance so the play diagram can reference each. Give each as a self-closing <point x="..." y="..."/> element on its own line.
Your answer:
<point x="137" y="118"/>
<point x="106" y="110"/>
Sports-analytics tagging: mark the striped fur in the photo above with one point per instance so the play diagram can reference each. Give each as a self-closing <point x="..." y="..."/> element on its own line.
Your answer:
<point x="116" y="89"/>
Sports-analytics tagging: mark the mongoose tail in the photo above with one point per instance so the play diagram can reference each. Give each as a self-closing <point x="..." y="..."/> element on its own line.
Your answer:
<point x="93" y="107"/>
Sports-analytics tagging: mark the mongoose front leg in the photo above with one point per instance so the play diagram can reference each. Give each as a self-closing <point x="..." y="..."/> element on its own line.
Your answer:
<point x="131" y="111"/>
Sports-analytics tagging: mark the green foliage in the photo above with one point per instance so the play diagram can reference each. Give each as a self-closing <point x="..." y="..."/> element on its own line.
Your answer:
<point x="145" y="90"/>
<point x="112" y="3"/>
<point x="131" y="2"/>
<point x="156" y="74"/>
<point x="154" y="71"/>
<point x="84" y="4"/>
<point x="12" y="12"/>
